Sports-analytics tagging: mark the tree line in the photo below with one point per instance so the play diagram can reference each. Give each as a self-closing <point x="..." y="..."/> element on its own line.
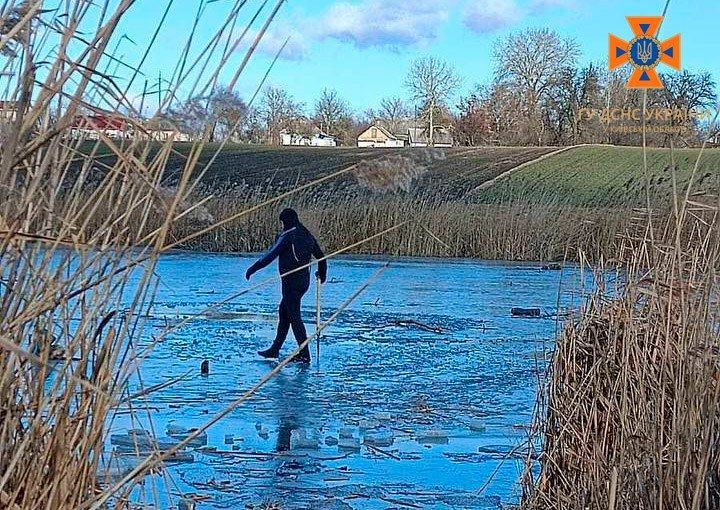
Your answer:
<point x="539" y="94"/>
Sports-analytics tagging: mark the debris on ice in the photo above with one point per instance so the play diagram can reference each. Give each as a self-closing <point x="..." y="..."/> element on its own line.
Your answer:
<point x="380" y="439"/>
<point x="349" y="443"/>
<point x="433" y="436"/>
<point x="302" y="439"/>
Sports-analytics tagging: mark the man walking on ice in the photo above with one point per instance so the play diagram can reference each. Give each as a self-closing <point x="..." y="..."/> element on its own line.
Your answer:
<point x="294" y="248"/>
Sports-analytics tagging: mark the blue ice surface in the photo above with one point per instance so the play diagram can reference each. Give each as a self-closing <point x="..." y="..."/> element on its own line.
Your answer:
<point x="482" y="365"/>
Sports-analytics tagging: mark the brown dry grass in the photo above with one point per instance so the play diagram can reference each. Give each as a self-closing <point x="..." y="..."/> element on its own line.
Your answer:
<point x="629" y="418"/>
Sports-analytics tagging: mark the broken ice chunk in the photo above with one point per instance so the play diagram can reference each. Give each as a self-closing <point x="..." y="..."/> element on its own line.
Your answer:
<point x="346" y="433"/>
<point x="349" y="443"/>
<point x="380" y="439"/>
<point x="433" y="436"/>
<point x="476" y="424"/>
<point x="303" y="439"/>
<point x="181" y="433"/>
<point x="367" y="424"/>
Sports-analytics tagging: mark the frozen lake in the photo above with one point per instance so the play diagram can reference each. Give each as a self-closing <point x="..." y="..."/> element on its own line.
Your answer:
<point x="387" y="382"/>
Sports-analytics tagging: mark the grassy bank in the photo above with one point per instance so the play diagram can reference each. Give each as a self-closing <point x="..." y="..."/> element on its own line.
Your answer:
<point x="608" y="177"/>
<point x="450" y="172"/>
<point x="576" y="200"/>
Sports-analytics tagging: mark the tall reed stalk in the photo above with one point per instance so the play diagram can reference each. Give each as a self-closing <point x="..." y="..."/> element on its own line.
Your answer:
<point x="77" y="258"/>
<point x="630" y="415"/>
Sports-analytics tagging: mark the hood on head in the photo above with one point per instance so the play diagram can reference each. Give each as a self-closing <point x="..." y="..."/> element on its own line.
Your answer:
<point x="289" y="218"/>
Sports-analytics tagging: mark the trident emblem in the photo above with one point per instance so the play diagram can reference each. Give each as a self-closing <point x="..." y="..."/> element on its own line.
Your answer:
<point x="644" y="52"/>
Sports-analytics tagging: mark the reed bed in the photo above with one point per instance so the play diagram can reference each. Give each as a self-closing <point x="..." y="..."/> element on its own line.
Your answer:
<point x="630" y="415"/>
<point x="77" y="258"/>
<point x="439" y="227"/>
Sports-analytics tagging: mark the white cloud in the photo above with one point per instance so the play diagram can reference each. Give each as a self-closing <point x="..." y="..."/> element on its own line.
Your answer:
<point x="485" y="16"/>
<point x="384" y="23"/>
<point x="297" y="47"/>
<point x="395" y="23"/>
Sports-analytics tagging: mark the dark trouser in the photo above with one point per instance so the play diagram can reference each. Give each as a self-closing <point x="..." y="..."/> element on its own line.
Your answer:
<point x="289" y="314"/>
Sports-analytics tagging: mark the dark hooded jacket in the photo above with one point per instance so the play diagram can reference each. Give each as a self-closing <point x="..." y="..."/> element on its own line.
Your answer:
<point x="294" y="248"/>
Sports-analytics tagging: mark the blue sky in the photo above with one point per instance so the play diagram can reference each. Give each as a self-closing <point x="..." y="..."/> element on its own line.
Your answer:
<point x="363" y="48"/>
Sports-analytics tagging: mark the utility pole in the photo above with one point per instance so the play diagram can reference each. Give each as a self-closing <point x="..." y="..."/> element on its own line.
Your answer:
<point x="142" y="101"/>
<point x="431" y="141"/>
<point x="159" y="91"/>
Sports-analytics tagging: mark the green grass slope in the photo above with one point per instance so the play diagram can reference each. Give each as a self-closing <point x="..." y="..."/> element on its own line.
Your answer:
<point x="606" y="176"/>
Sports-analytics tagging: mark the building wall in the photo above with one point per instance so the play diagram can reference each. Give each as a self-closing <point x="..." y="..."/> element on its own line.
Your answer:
<point x="375" y="137"/>
<point x="385" y="143"/>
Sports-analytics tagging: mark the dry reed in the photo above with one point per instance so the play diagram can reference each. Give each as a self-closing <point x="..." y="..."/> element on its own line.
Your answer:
<point x="77" y="258"/>
<point x="629" y="418"/>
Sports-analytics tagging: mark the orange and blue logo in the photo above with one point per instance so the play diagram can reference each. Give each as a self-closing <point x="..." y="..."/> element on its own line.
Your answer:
<point x="644" y="53"/>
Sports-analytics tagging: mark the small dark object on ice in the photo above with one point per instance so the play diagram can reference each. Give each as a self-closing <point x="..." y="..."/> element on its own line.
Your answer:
<point x="409" y="323"/>
<point x="553" y="266"/>
<point x="186" y="504"/>
<point x="205" y="368"/>
<point x="516" y="311"/>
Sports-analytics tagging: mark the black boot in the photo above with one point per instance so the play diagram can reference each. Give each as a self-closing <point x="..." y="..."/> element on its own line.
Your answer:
<point x="303" y="356"/>
<point x="269" y="353"/>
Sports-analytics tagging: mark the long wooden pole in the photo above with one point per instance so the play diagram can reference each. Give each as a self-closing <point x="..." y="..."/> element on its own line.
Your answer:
<point x="317" y="316"/>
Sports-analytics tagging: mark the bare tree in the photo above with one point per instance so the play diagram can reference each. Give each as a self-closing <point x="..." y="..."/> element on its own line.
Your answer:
<point x="330" y="111"/>
<point x="279" y="111"/>
<point x="534" y="61"/>
<point x="222" y="114"/>
<point x="393" y="113"/>
<point x="229" y="112"/>
<point x="578" y="89"/>
<point x="472" y="126"/>
<point x="688" y="91"/>
<point x="431" y="82"/>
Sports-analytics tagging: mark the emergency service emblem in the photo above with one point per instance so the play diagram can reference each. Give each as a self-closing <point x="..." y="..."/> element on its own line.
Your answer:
<point x="644" y="52"/>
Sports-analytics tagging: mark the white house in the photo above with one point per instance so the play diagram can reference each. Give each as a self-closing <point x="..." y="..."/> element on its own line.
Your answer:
<point x="8" y="111"/>
<point x="90" y="126"/>
<point x="319" y="139"/>
<point x="323" y="140"/>
<point x="162" y="130"/>
<point x="378" y="136"/>
<point x="287" y="138"/>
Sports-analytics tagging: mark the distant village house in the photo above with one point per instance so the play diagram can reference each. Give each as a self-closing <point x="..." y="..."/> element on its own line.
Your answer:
<point x="8" y="111"/>
<point x="319" y="139"/>
<point x="90" y="126"/>
<point x="378" y="136"/>
<point x="162" y="130"/>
